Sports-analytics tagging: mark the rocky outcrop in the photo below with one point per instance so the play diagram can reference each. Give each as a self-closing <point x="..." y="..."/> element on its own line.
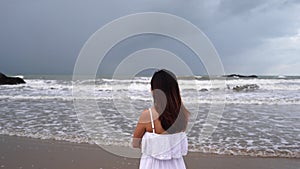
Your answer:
<point x="4" y="80"/>
<point x="241" y="76"/>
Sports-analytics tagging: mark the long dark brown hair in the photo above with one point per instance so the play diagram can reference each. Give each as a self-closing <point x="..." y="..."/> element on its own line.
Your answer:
<point x="167" y="101"/>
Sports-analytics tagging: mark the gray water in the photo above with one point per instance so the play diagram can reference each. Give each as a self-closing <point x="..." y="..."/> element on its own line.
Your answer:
<point x="263" y="121"/>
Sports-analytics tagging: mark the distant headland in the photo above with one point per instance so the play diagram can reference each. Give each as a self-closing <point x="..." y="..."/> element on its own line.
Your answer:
<point x="5" y="80"/>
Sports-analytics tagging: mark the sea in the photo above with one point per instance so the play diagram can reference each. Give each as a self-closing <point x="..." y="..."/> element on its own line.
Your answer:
<point x="261" y="116"/>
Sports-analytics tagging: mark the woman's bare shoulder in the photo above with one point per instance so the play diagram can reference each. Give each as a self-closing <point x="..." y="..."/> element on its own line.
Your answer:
<point x="145" y="116"/>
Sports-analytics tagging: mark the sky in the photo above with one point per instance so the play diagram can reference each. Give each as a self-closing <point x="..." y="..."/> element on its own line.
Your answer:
<point x="252" y="37"/>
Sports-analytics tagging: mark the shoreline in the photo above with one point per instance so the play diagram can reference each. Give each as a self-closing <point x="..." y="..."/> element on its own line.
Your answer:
<point x="23" y="152"/>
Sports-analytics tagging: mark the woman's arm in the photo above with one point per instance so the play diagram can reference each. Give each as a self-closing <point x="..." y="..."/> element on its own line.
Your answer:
<point x="140" y="129"/>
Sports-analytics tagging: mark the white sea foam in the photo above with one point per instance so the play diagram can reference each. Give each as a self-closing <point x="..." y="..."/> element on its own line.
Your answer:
<point x="19" y="76"/>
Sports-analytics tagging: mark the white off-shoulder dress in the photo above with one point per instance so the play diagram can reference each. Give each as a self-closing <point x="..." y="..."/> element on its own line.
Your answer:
<point x="163" y="151"/>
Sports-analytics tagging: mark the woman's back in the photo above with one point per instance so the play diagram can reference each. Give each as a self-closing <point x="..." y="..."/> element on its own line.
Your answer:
<point x="163" y="150"/>
<point x="156" y="122"/>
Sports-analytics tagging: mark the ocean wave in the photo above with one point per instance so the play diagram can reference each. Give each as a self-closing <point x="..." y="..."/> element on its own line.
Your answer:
<point x="143" y="84"/>
<point x="187" y="100"/>
<point x="254" y="152"/>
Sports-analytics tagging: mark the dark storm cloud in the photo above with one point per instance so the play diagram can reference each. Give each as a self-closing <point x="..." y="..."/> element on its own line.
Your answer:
<point x="46" y="36"/>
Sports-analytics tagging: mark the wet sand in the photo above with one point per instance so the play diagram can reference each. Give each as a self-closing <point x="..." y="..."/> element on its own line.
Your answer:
<point x="28" y="153"/>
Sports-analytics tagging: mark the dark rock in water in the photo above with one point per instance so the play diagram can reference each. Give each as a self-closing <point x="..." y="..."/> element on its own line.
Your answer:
<point x="247" y="87"/>
<point x="241" y="76"/>
<point x="203" y="90"/>
<point x="4" y="80"/>
<point x="228" y="87"/>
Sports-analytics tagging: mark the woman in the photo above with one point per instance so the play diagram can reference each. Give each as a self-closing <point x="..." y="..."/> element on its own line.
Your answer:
<point x="160" y="131"/>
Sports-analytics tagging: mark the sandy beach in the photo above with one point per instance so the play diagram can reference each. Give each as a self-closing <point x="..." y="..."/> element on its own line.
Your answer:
<point x="23" y="153"/>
